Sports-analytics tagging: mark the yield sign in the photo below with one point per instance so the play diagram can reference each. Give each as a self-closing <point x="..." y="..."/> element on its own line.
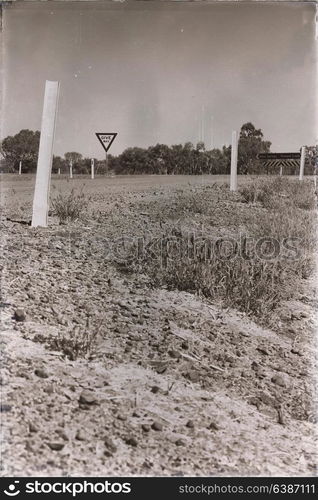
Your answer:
<point x="106" y="140"/>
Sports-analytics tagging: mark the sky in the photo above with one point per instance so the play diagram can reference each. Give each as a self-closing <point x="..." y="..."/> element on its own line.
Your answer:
<point x="151" y="70"/>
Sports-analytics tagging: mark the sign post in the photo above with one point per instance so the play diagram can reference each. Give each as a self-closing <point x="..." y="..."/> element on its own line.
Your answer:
<point x="274" y="161"/>
<point x="302" y="163"/>
<point x="233" y="179"/>
<point x="92" y="168"/>
<point x="106" y="140"/>
<point x="44" y="166"/>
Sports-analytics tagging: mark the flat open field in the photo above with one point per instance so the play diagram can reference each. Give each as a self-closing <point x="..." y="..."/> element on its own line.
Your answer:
<point x="125" y="356"/>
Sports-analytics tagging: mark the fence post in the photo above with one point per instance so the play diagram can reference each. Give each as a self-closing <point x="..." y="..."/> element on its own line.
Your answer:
<point x="302" y="163"/>
<point x="92" y="168"/>
<point x="71" y="169"/>
<point x="44" y="165"/>
<point x="233" y="178"/>
<point x="281" y="170"/>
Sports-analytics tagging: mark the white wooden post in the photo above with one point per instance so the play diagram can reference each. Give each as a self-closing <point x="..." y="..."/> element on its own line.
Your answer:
<point x="233" y="179"/>
<point x="44" y="165"/>
<point x="92" y="168"/>
<point x="302" y="163"/>
<point x="59" y="171"/>
<point x="281" y="170"/>
<point x="20" y="167"/>
<point x="71" y="169"/>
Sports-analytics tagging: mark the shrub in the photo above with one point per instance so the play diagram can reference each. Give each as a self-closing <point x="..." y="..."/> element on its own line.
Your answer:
<point x="78" y="342"/>
<point x="255" y="285"/>
<point x="69" y="206"/>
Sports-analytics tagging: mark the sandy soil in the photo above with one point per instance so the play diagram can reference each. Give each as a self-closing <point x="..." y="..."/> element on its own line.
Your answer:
<point x="172" y="385"/>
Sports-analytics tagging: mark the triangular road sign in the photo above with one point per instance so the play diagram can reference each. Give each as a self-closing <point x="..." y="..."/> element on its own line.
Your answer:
<point x="106" y="139"/>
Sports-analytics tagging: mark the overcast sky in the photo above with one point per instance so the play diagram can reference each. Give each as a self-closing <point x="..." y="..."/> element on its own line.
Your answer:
<point x="145" y="69"/>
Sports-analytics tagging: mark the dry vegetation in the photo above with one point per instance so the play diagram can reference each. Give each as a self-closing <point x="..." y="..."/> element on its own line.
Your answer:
<point x="254" y="282"/>
<point x="177" y="358"/>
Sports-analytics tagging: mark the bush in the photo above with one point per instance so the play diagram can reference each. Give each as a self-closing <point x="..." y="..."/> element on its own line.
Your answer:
<point x="69" y="206"/>
<point x="270" y="192"/>
<point x="257" y="284"/>
<point x="78" y="342"/>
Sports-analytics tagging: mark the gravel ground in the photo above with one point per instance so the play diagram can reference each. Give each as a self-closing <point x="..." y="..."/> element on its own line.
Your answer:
<point x="159" y="382"/>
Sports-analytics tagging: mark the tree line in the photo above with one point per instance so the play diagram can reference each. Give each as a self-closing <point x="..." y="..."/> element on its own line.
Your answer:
<point x="159" y="159"/>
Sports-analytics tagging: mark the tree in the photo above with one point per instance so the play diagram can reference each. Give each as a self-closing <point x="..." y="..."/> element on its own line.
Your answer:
<point x="58" y="163"/>
<point x="251" y="143"/>
<point x="24" y="147"/>
<point x="73" y="158"/>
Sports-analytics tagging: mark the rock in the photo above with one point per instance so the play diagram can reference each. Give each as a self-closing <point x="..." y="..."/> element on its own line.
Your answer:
<point x="157" y="426"/>
<point x="193" y="375"/>
<point x="155" y="389"/>
<point x="33" y="427"/>
<point x="122" y="417"/>
<point x="279" y="379"/>
<point x="263" y="350"/>
<point x="280" y="416"/>
<point x="131" y="441"/>
<point x="80" y="435"/>
<point x="39" y="372"/>
<point x="161" y="368"/>
<point x="190" y="424"/>
<point x="19" y="315"/>
<point x="214" y="427"/>
<point x="145" y="427"/>
<point x="62" y="434"/>
<point x="180" y="442"/>
<point x="185" y="345"/>
<point x="296" y="351"/>
<point x="174" y="354"/>
<point x="55" y="446"/>
<point x="110" y="445"/>
<point x="87" y="398"/>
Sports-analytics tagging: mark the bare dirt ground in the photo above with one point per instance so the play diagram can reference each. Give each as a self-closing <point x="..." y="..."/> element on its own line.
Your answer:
<point x="173" y="384"/>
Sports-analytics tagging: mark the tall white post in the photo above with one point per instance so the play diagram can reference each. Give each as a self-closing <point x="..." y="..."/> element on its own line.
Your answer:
<point x="92" y="168"/>
<point x="233" y="179"/>
<point x="59" y="171"/>
<point x="44" y="166"/>
<point x="20" y="167"/>
<point x="212" y="135"/>
<point x="302" y="163"/>
<point x="71" y="169"/>
<point x="202" y="123"/>
<point x="281" y="170"/>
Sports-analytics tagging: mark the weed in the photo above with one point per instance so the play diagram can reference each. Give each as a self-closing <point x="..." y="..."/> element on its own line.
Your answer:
<point x="69" y="206"/>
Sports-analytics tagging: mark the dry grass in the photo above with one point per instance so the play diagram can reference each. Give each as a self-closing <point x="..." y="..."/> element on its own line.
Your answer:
<point x="69" y="206"/>
<point x="78" y="342"/>
<point x="254" y="282"/>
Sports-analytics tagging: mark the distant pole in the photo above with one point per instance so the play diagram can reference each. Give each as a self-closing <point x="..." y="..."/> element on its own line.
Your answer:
<point x="212" y="138"/>
<point x="20" y="167"/>
<point x="281" y="170"/>
<point x="202" y="123"/>
<point x="59" y="171"/>
<point x="71" y="169"/>
<point x="233" y="179"/>
<point x="45" y="156"/>
<point x="92" y="168"/>
<point x="302" y="163"/>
